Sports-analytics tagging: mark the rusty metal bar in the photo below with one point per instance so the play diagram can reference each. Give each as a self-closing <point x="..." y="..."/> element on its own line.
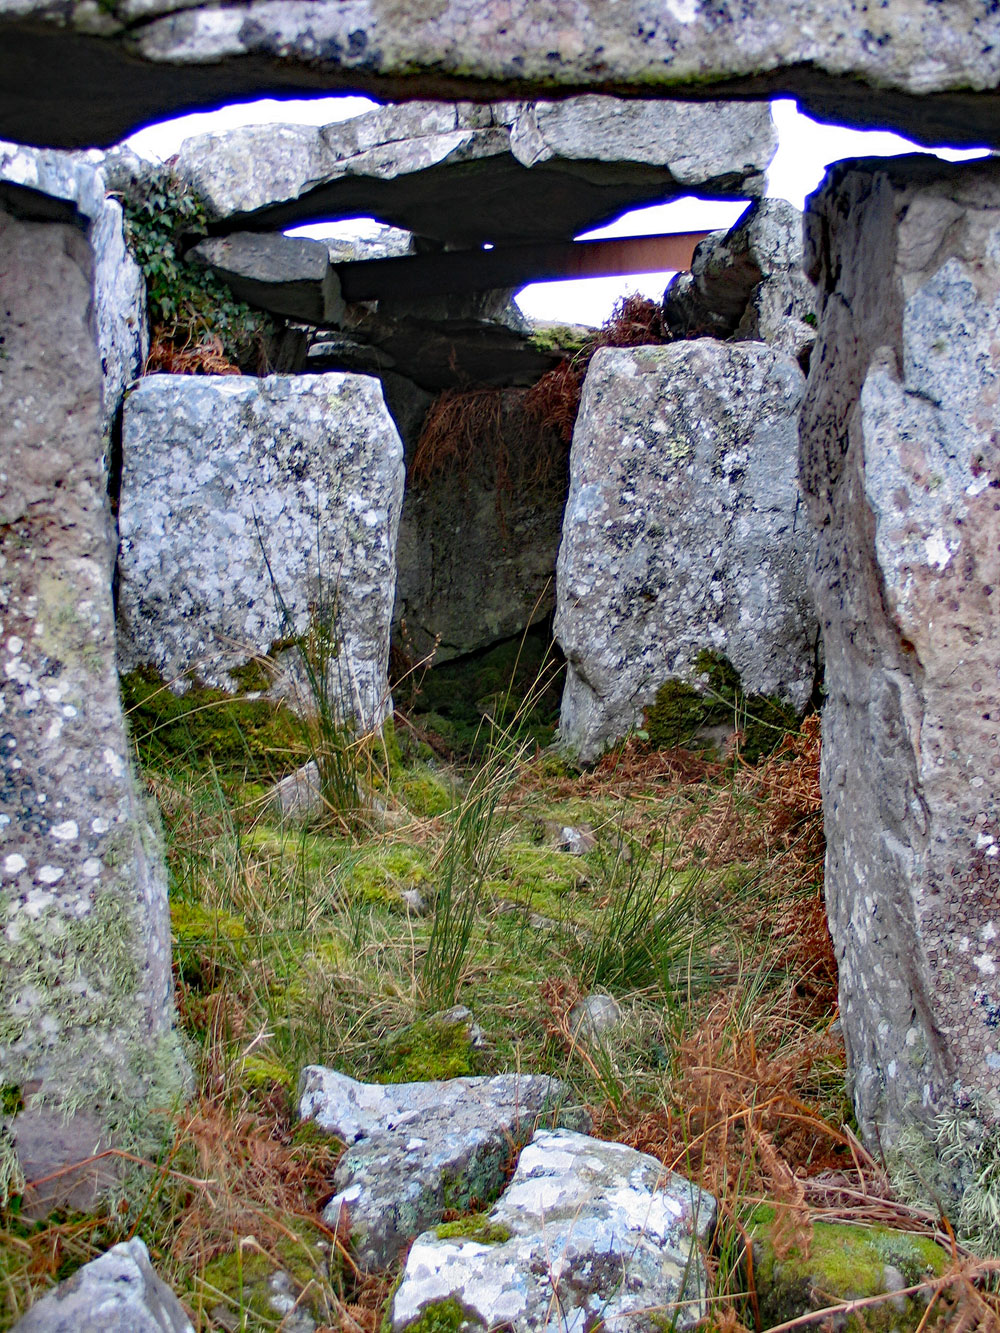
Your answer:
<point x="416" y="276"/>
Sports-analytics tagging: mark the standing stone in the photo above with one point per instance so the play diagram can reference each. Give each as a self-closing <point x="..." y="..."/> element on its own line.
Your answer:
<point x="901" y="471"/>
<point x="85" y="1009"/>
<point x="240" y="496"/>
<point x="682" y="532"/>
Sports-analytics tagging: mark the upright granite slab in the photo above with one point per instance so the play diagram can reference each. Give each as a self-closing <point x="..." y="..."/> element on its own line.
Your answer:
<point x="466" y="173"/>
<point x="683" y="532"/>
<point x="85" y="988"/>
<point x="251" y="512"/>
<point x="901" y="470"/>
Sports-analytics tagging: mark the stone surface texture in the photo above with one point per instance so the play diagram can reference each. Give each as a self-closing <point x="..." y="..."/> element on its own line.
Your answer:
<point x="683" y="531"/>
<point x="748" y="283"/>
<point x="597" y="1233"/>
<point x="85" y="987"/>
<point x="417" y="1149"/>
<point x="91" y="72"/>
<point x="117" y="1293"/>
<point x="287" y="275"/>
<point x="468" y="173"/>
<point x="901" y="473"/>
<point x="221" y="471"/>
<point x="478" y="541"/>
<point x="65" y="188"/>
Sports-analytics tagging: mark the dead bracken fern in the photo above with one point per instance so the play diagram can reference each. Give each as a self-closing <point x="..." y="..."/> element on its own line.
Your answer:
<point x="555" y="400"/>
<point x="202" y="358"/>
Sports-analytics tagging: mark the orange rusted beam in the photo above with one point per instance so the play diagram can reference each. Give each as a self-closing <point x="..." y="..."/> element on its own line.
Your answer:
<point x="416" y="276"/>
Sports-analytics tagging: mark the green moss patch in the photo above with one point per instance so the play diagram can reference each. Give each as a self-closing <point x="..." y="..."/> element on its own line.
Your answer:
<point x="380" y="874"/>
<point x="477" y="1227"/>
<point x="844" y="1263"/>
<point x="682" y="715"/>
<point x="430" y="1049"/>
<point x="201" y="937"/>
<point x="446" y="1316"/>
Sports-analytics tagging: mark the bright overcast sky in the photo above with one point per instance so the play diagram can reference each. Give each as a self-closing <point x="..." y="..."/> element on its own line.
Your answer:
<point x="804" y="148"/>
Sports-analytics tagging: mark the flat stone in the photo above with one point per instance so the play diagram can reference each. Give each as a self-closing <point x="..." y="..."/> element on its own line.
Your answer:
<point x="91" y="73"/>
<point x="237" y="492"/>
<point x="596" y="1233"/>
<point x="117" y="1293"/>
<point x="417" y="1149"/>
<point x="900" y="470"/>
<point x="285" y="275"/>
<point x="682" y="532"/>
<point x="594" y="1017"/>
<point x="467" y="174"/>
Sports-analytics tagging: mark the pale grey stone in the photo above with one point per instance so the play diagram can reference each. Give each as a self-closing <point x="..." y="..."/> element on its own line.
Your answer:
<point x="597" y="1234"/>
<point x="237" y="492"/>
<point x="748" y="283"/>
<point x="90" y="73"/>
<point x="117" y="1293"/>
<point x="85" y="986"/>
<point x="594" y="1017"/>
<point x="682" y="532"/>
<point x="416" y="1149"/>
<point x="288" y="276"/>
<point x="900" y="470"/>
<point x="578" y="841"/>
<point x="466" y="174"/>
<point x="297" y="796"/>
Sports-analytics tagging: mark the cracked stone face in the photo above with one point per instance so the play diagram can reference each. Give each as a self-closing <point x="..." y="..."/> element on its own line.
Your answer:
<point x="901" y="468"/>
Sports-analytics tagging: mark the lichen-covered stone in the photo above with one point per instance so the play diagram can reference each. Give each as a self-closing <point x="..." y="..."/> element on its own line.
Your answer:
<point x="92" y="71"/>
<point x="595" y="1232"/>
<point x="85" y="1008"/>
<point x="254" y="512"/>
<point x="748" y="283"/>
<point x="417" y="1149"/>
<point x="470" y="173"/>
<point x="901" y="471"/>
<point x="117" y="1293"/>
<point x="682" y="533"/>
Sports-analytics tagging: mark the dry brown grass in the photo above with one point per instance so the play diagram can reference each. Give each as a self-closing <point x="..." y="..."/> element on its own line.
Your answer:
<point x="202" y="358"/>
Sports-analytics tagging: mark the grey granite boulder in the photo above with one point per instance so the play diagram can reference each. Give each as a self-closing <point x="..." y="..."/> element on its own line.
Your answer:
<point x="901" y="470"/>
<point x="90" y="72"/>
<point x="117" y="1293"/>
<point x="682" y="532"/>
<point x="467" y="173"/>
<point x="238" y="493"/>
<point x="587" y="1234"/>
<point x="417" y="1149"/>
<point x="748" y="283"/>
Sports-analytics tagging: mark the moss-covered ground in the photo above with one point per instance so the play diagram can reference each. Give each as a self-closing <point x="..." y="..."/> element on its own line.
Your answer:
<point x="698" y="908"/>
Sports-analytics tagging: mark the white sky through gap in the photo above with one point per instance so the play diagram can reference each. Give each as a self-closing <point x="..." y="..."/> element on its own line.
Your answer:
<point x="805" y="147"/>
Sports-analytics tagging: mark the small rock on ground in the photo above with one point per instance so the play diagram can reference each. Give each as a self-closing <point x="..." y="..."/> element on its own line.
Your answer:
<point x="586" y="1234"/>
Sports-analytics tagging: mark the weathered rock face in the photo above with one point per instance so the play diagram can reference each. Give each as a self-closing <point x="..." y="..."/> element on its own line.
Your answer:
<point x="595" y="1231"/>
<point x="417" y="1149"/>
<point x="287" y="275"/>
<point x="466" y="174"/>
<point x="117" y="1293"/>
<point x="682" y="532"/>
<point x="479" y="536"/>
<point x="748" y="283"/>
<point x="238" y="492"/>
<point x="91" y="73"/>
<point x="85" y="1010"/>
<point x="900" y="469"/>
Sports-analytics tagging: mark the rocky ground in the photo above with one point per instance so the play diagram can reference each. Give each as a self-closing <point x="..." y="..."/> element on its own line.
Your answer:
<point x="502" y="945"/>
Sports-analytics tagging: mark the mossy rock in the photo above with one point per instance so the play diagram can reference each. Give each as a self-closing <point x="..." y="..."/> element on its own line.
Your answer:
<point x="432" y="1049"/>
<point x="425" y="792"/>
<point x="683" y="715"/>
<point x="844" y="1263"/>
<point x="381" y="873"/>
<point x="447" y="1316"/>
<point x="205" y="728"/>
